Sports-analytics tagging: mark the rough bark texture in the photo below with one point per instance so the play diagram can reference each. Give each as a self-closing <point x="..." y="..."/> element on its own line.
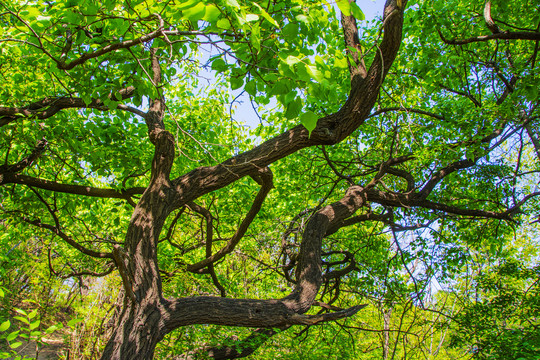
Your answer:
<point x="147" y="317"/>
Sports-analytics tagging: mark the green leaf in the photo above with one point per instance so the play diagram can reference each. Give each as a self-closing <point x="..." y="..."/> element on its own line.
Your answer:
<point x="267" y="16"/>
<point x="233" y="3"/>
<point x="291" y="60"/>
<point x="12" y="335"/>
<point x="252" y="17"/>
<point x="5" y="325"/>
<point x="255" y="38"/>
<point x="74" y="321"/>
<point x="112" y="105"/>
<point x="195" y="13"/>
<point x="290" y="30"/>
<point x="35" y="324"/>
<point x="293" y="108"/>
<point x="32" y="314"/>
<point x="43" y="18"/>
<point x="211" y="13"/>
<point x="315" y="73"/>
<point x="303" y="19"/>
<point x="219" y="65"/>
<point x="236" y="82"/>
<point x="21" y="311"/>
<point x="309" y="120"/>
<point x="251" y="88"/>
<point x="223" y="24"/>
<point x="357" y="12"/>
<point x="22" y="319"/>
<point x="15" y="345"/>
<point x="52" y="328"/>
<point x="186" y="5"/>
<point x="344" y="6"/>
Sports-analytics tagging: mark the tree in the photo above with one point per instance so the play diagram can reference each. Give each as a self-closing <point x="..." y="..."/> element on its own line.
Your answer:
<point x="102" y="111"/>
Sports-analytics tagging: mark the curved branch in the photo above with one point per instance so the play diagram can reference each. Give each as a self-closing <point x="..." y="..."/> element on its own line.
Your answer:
<point x="357" y="219"/>
<point x="267" y="185"/>
<point x="487" y="18"/>
<point x="408" y="110"/>
<point x="38" y="150"/>
<point x="48" y="107"/>
<point x="122" y="45"/>
<point x="330" y="129"/>
<point x="518" y="35"/>
<point x="413" y="200"/>
<point x="351" y="265"/>
<point x="275" y="313"/>
<point x="242" y="348"/>
<point x="107" y="271"/>
<point x="68" y="239"/>
<point x="11" y="178"/>
<point x="209" y="239"/>
<point x="404" y="175"/>
<point x="357" y="67"/>
<point x="442" y="173"/>
<point x="516" y="207"/>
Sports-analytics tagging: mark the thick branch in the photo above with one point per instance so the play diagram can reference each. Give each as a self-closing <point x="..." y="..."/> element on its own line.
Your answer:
<point x="27" y="161"/>
<point x="330" y="129"/>
<point x="47" y="107"/>
<point x="357" y="67"/>
<point x="282" y="312"/>
<point x="487" y="18"/>
<point x="442" y="173"/>
<point x="242" y="312"/>
<point x="518" y="35"/>
<point x="11" y="178"/>
<point x="408" y="110"/>
<point x="357" y="219"/>
<point x="534" y="139"/>
<point x="413" y="200"/>
<point x="242" y="348"/>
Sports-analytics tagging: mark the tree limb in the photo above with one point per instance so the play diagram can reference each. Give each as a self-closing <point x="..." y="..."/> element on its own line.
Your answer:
<point x="39" y="149"/>
<point x="330" y="129"/>
<point x="11" y="178"/>
<point x="357" y="67"/>
<point x="267" y="185"/>
<point x="275" y="313"/>
<point x="68" y="239"/>
<point x="48" y="107"/>
<point x="518" y="35"/>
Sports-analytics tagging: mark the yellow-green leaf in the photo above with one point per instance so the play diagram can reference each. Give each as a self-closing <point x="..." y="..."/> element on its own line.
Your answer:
<point x="344" y="6"/>
<point x="5" y="325"/>
<point x="309" y="120"/>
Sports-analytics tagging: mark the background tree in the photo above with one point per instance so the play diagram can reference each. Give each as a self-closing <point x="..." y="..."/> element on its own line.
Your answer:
<point x="376" y="179"/>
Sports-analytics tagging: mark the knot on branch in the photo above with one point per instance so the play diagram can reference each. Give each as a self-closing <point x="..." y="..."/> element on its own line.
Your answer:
<point x="356" y="196"/>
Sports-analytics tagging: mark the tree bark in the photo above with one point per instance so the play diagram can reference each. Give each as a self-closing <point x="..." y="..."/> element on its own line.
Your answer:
<point x="146" y="316"/>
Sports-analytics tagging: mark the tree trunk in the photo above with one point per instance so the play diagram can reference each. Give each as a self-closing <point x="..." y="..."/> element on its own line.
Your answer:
<point x="146" y="316"/>
<point x="136" y="334"/>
